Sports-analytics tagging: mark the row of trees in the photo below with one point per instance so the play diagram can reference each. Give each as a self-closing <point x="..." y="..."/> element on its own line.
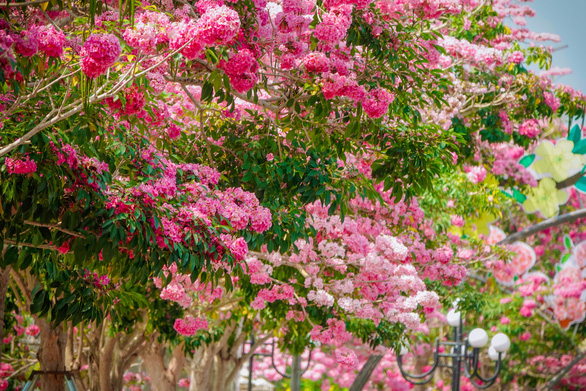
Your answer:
<point x="180" y="175"/>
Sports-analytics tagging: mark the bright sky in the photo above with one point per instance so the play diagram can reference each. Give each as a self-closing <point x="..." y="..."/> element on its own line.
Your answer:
<point x="565" y="18"/>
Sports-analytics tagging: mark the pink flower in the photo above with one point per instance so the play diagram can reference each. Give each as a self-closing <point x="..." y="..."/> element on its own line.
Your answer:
<point x="516" y="57"/>
<point x="102" y="281"/>
<point x="185" y="35"/>
<point x="173" y="131"/>
<point x="99" y="52"/>
<point x="23" y="166"/>
<point x="476" y="174"/>
<point x="51" y="41"/>
<point x="183" y="383"/>
<point x="551" y="100"/>
<point x="241" y="67"/>
<point x="377" y="103"/>
<point x="258" y="303"/>
<point x="529" y="128"/>
<point x="525" y="336"/>
<point x="316" y="62"/>
<point x="270" y="157"/>
<point x="189" y="325"/>
<point x="64" y="248"/>
<point x="506" y="300"/>
<point x="457" y="221"/>
<point x="27" y="44"/>
<point x="239" y="248"/>
<point x="219" y="25"/>
<point x="32" y="330"/>
<point x="6" y="369"/>
<point x="505" y="320"/>
<point x="346" y="357"/>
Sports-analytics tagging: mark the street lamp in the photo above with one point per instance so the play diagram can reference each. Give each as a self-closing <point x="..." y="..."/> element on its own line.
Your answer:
<point x="461" y="357"/>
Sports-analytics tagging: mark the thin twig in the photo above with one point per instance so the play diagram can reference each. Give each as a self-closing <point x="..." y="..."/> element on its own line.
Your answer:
<point x="24" y="4"/>
<point x="54" y="226"/>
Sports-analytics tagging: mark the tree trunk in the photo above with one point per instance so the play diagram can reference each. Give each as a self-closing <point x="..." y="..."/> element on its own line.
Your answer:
<point x="163" y="378"/>
<point x="365" y="373"/>
<point x="111" y="356"/>
<point x="4" y="277"/>
<point x="296" y="373"/>
<point x="201" y="370"/>
<point x="51" y="355"/>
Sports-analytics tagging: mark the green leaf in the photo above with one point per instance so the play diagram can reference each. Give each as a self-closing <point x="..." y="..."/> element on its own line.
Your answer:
<point x="575" y="134"/>
<point x="10" y="257"/>
<point x="565" y="258"/>
<point x="579" y="148"/>
<point x="568" y="242"/>
<point x="206" y="91"/>
<point x="520" y="197"/>
<point x="527" y="160"/>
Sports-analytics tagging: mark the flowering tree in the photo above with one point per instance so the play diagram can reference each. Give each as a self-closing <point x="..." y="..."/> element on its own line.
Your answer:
<point x="277" y="150"/>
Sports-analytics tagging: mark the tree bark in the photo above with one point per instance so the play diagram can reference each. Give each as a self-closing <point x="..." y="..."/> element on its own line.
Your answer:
<point x="51" y="355"/>
<point x="296" y="374"/>
<point x="549" y="223"/>
<point x="163" y="378"/>
<point x="365" y="372"/>
<point x="201" y="369"/>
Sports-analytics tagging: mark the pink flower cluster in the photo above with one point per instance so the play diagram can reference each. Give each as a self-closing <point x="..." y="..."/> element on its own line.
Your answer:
<point x="528" y="307"/>
<point x="530" y="128"/>
<point x="475" y="174"/>
<point x="218" y="25"/>
<point x="149" y="31"/>
<point x="32" y="330"/>
<point x="374" y="102"/>
<point x="99" y="52"/>
<point x="50" y="41"/>
<point x="241" y="68"/>
<point x="316" y="62"/>
<point x="377" y="103"/>
<point x="5" y="371"/>
<point x="506" y="163"/>
<point x="185" y="35"/>
<point x="334" y="26"/>
<point x="473" y="53"/>
<point x="134" y="103"/>
<point x="189" y="325"/>
<point x="20" y="166"/>
<point x="346" y="357"/>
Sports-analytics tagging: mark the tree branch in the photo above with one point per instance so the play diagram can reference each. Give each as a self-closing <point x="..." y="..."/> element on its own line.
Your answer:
<point x="557" y="378"/>
<point x="43" y="246"/>
<point x="549" y="223"/>
<point x="54" y="226"/>
<point x="24" y="4"/>
<point x="571" y="181"/>
<point x="365" y="373"/>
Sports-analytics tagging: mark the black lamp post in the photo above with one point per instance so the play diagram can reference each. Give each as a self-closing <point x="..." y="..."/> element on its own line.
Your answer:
<point x="462" y="360"/>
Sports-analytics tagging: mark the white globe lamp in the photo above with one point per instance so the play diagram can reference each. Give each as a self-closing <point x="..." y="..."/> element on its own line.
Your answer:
<point x="453" y="318"/>
<point x="478" y="338"/>
<point x="501" y="343"/>
<point x="494" y="355"/>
